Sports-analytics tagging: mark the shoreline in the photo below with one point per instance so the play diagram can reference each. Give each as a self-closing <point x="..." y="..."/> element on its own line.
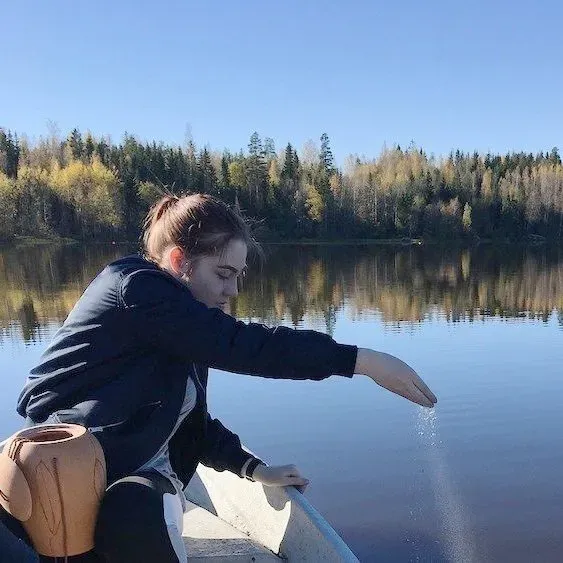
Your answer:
<point x="23" y="241"/>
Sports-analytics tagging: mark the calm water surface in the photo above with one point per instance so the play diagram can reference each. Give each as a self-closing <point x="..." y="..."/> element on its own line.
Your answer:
<point x="477" y="479"/>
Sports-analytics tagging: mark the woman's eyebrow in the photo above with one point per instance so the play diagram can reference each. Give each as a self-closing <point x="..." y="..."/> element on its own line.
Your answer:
<point x="232" y="268"/>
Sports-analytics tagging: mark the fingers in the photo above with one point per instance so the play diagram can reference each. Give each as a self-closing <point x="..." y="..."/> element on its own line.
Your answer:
<point x="424" y="389"/>
<point x="284" y="476"/>
<point x="417" y="381"/>
<point x="412" y="393"/>
<point x="418" y="391"/>
<point x="420" y="398"/>
<point x="297" y="481"/>
<point x="292" y="476"/>
<point x="398" y="377"/>
<point x="290" y="471"/>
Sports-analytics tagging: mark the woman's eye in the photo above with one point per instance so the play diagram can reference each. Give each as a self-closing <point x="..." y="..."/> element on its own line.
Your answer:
<point x="239" y="277"/>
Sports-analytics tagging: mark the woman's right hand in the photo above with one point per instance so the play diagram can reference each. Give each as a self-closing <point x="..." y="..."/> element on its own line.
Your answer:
<point x="280" y="476"/>
<point x="396" y="376"/>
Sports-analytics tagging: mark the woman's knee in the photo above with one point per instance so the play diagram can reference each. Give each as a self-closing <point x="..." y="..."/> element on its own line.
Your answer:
<point x="132" y="523"/>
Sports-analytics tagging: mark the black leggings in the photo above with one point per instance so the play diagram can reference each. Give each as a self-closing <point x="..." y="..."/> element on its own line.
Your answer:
<point x="140" y="519"/>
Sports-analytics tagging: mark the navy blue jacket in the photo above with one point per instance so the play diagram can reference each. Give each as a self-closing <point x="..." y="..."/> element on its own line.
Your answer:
<point x="120" y="362"/>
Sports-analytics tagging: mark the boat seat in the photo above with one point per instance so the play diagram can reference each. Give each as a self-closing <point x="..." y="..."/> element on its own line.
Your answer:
<point x="210" y="539"/>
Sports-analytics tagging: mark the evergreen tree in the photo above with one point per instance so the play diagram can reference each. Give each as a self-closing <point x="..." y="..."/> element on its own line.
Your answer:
<point x="89" y="147"/>
<point x="554" y="157"/>
<point x="322" y="183"/>
<point x="75" y="143"/>
<point x="103" y="151"/>
<point x="207" y="177"/>
<point x="326" y="158"/>
<point x="289" y="171"/>
<point x="269" y="149"/>
<point x="9" y="154"/>
<point x="191" y="167"/>
<point x="225" y="175"/>
<point x="256" y="171"/>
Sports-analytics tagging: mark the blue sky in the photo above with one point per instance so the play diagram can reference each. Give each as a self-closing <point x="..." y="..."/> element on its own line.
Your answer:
<point x="445" y="74"/>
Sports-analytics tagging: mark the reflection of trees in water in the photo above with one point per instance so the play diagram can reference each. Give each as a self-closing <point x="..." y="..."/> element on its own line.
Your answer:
<point x="406" y="284"/>
<point x="41" y="284"/>
<point x="28" y="320"/>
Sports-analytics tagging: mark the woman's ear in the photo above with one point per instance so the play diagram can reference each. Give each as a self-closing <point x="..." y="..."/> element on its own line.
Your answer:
<point x="177" y="260"/>
<point x="15" y="496"/>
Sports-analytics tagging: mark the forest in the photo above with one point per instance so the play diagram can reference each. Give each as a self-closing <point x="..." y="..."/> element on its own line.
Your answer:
<point x="90" y="188"/>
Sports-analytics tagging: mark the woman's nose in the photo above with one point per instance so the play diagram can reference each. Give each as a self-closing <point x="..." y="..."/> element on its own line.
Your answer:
<point x="231" y="289"/>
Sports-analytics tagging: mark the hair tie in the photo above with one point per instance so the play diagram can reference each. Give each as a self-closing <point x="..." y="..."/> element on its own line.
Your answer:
<point x="167" y="202"/>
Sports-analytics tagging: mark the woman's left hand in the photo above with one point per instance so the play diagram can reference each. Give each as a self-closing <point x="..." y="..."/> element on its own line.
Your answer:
<point x="280" y="476"/>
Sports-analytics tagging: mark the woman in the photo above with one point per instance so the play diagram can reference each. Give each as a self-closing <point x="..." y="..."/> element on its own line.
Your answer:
<point x="130" y="363"/>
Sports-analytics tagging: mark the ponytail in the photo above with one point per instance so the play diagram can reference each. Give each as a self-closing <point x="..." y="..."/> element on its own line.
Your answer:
<point x="198" y="223"/>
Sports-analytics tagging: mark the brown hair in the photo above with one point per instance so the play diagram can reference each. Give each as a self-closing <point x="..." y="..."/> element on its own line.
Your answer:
<point x="198" y="223"/>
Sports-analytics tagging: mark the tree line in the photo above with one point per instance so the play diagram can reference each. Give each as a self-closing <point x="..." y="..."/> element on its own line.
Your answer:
<point x="90" y="188"/>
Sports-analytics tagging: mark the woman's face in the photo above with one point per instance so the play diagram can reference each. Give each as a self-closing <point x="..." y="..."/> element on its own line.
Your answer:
<point x="213" y="280"/>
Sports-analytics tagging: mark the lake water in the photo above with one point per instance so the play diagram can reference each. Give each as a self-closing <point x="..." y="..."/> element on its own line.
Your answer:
<point x="476" y="479"/>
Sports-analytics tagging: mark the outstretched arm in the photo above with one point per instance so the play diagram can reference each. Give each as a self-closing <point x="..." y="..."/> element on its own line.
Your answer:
<point x="164" y="314"/>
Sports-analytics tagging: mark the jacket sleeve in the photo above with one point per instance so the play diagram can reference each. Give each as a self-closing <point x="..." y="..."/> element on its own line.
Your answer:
<point x="164" y="314"/>
<point x="222" y="449"/>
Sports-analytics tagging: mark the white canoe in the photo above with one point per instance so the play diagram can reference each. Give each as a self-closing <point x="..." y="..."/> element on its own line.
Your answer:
<point x="233" y="519"/>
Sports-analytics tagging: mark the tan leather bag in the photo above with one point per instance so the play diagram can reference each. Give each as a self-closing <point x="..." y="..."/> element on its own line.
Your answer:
<point x="52" y="479"/>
